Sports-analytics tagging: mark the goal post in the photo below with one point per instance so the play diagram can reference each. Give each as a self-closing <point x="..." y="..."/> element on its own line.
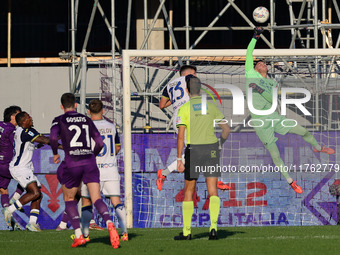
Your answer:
<point x="287" y="56"/>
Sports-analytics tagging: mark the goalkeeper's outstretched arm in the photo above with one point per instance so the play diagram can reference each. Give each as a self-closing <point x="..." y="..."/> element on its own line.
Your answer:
<point x="251" y="46"/>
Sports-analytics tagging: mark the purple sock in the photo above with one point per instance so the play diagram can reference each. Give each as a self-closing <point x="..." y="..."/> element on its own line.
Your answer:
<point x="19" y="189"/>
<point x="102" y="209"/>
<point x="72" y="212"/>
<point x="4" y="200"/>
<point x="65" y="217"/>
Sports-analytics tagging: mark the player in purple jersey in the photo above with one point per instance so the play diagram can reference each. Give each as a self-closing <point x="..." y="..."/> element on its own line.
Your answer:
<point x="76" y="131"/>
<point x="21" y="169"/>
<point x="109" y="175"/>
<point x="7" y="130"/>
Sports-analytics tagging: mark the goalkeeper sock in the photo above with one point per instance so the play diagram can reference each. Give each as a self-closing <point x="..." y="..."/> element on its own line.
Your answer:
<point x="275" y="154"/>
<point x="188" y="210"/>
<point x="308" y="137"/>
<point x="214" y="208"/>
<point x="86" y="216"/>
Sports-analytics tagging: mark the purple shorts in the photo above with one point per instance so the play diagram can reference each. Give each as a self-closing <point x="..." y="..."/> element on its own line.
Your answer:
<point x="5" y="176"/>
<point x="73" y="176"/>
<point x="60" y="171"/>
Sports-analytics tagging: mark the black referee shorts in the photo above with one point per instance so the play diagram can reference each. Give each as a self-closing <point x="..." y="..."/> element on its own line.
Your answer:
<point x="201" y="159"/>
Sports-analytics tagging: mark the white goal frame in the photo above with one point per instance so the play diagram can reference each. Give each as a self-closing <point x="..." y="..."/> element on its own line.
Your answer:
<point x="127" y="54"/>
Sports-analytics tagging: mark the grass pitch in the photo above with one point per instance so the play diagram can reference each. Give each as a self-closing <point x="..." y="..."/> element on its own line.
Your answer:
<point x="234" y="240"/>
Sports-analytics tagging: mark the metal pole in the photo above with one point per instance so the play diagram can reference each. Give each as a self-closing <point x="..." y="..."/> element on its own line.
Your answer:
<point x="210" y="26"/>
<point x="146" y="25"/>
<point x="316" y="31"/>
<point x="171" y="24"/>
<point x="113" y="37"/>
<point x="187" y="35"/>
<point x="9" y="28"/>
<point x="127" y="140"/>
<point x="101" y="11"/>
<point x="324" y="34"/>
<point x="272" y="15"/>
<point x="147" y="32"/>
<point x="83" y="83"/>
<point x="89" y="27"/>
<point x="73" y="45"/>
<point x="128" y="25"/>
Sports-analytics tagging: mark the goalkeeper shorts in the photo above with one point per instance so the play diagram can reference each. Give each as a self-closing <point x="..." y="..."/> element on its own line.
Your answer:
<point x="266" y="126"/>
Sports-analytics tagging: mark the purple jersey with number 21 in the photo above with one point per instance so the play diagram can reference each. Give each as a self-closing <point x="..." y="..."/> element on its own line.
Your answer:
<point x="75" y="131"/>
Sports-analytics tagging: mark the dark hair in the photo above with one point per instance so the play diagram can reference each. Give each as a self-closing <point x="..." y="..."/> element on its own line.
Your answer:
<point x="20" y="117"/>
<point x="258" y="61"/>
<point x="193" y="84"/>
<point x="68" y="100"/>
<point x="186" y="67"/>
<point x="96" y="106"/>
<point x="9" y="111"/>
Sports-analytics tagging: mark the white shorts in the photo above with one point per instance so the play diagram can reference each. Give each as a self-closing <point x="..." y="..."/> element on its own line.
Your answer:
<point x="24" y="175"/>
<point x="107" y="188"/>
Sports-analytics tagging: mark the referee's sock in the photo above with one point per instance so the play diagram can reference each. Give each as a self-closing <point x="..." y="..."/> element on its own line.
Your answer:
<point x="214" y="208"/>
<point x="188" y="210"/>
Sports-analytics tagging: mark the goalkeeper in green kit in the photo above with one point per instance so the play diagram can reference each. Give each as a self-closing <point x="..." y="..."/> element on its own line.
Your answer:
<point x="262" y="94"/>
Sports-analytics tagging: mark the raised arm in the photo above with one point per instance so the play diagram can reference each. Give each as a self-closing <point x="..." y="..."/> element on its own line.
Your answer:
<point x="251" y="46"/>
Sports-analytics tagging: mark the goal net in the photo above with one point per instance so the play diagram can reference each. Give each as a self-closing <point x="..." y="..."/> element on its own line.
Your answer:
<point x="259" y="195"/>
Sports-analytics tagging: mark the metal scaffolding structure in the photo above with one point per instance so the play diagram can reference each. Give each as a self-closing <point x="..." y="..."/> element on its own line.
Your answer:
<point x="307" y="21"/>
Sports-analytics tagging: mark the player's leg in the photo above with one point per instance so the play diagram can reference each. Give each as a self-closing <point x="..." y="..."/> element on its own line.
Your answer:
<point x="275" y="155"/>
<point x="101" y="207"/>
<point x="266" y="135"/>
<point x="32" y="193"/>
<point x="214" y="206"/>
<point x="35" y="210"/>
<point x="121" y="215"/>
<point x="5" y="179"/>
<point x="309" y="138"/>
<point x="111" y="189"/>
<point x="71" y="179"/>
<point x="188" y="204"/>
<point x="4" y="182"/>
<point x="91" y="179"/>
<point x="17" y="194"/>
<point x="86" y="212"/>
<point x="4" y="195"/>
<point x="188" y="207"/>
<point x="163" y="173"/>
<point x="63" y="223"/>
<point x="65" y="219"/>
<point x="71" y="208"/>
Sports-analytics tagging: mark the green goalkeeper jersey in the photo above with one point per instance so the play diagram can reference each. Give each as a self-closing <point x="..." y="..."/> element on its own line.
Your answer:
<point x="262" y="87"/>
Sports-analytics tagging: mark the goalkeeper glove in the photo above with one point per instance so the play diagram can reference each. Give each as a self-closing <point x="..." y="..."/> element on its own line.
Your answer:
<point x="257" y="32"/>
